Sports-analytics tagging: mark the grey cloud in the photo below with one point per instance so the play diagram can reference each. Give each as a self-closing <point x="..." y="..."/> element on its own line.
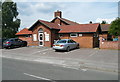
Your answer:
<point x="24" y="8"/>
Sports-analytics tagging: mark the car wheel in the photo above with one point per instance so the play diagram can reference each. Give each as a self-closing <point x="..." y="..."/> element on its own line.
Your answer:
<point x="68" y="49"/>
<point x="6" y="47"/>
<point x="56" y="50"/>
<point x="78" y="47"/>
<point x="11" y="46"/>
<point x="25" y="44"/>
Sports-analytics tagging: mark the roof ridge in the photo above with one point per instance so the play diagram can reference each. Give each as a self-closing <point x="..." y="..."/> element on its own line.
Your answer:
<point x="105" y="24"/>
<point x="64" y="19"/>
<point x="47" y="21"/>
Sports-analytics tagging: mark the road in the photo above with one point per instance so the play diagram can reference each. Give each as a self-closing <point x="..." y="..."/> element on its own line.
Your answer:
<point x="28" y="70"/>
<point x="98" y="59"/>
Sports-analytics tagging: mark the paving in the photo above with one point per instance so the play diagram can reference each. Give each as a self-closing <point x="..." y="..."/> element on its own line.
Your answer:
<point x="85" y="58"/>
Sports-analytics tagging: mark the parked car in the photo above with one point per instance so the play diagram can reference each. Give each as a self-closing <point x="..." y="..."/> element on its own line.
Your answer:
<point x="65" y="44"/>
<point x="14" y="42"/>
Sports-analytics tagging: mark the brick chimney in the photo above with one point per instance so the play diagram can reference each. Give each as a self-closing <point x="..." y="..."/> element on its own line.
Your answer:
<point x="58" y="14"/>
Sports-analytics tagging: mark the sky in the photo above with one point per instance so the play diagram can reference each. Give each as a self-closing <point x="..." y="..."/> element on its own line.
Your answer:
<point x="81" y="12"/>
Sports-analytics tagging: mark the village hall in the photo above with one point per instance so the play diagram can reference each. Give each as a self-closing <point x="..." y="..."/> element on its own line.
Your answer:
<point x="45" y="33"/>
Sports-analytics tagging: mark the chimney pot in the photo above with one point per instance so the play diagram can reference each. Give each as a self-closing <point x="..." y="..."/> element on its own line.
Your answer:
<point x="90" y="22"/>
<point x="58" y="14"/>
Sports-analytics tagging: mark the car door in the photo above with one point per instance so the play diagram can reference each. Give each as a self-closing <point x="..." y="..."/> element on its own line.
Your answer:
<point x="20" y="42"/>
<point x="17" y="42"/>
<point x="70" y="43"/>
<point x="74" y="44"/>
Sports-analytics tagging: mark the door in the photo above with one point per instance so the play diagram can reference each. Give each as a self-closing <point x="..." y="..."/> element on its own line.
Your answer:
<point x="16" y="42"/>
<point x="71" y="44"/>
<point x="41" y="39"/>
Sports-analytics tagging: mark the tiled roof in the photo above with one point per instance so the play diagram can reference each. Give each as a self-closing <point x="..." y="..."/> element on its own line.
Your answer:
<point x="24" y="31"/>
<point x="79" y="28"/>
<point x="68" y="21"/>
<point x="50" y="24"/>
<point x="105" y="27"/>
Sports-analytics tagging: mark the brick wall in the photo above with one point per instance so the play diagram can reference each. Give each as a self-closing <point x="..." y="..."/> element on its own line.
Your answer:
<point x="109" y="44"/>
<point x="45" y="29"/>
<point x="85" y="41"/>
<point x="54" y="36"/>
<point x="57" y="21"/>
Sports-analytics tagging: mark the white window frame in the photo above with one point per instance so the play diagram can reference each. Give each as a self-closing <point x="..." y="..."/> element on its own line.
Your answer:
<point x="80" y="35"/>
<point x="74" y="36"/>
<point x="34" y="37"/>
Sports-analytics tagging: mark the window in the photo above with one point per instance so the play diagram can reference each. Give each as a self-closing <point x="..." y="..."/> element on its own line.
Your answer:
<point x="96" y="35"/>
<point x="16" y="39"/>
<point x="46" y="37"/>
<point x="34" y="37"/>
<point x="19" y="40"/>
<point x="61" y="41"/>
<point x="73" y="35"/>
<point x="27" y="36"/>
<point x="40" y="30"/>
<point x="73" y="41"/>
<point x="60" y="35"/>
<point x="11" y="40"/>
<point x="70" y="41"/>
<point x="80" y="34"/>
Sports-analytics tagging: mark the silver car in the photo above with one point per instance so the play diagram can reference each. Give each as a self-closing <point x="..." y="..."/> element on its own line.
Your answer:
<point x="65" y="44"/>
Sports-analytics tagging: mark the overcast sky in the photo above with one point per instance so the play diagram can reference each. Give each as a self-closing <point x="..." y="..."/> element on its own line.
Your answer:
<point x="81" y="12"/>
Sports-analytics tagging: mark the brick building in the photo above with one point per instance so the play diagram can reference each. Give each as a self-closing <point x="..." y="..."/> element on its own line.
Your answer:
<point x="44" y="33"/>
<point x="105" y="29"/>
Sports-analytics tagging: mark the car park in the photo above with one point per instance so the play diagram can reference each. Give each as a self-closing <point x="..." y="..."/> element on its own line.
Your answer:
<point x="65" y="44"/>
<point x="14" y="42"/>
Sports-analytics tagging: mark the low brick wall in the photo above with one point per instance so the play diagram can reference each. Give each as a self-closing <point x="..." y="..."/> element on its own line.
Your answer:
<point x="109" y="44"/>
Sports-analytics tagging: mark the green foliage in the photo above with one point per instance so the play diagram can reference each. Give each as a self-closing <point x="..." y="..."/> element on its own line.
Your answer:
<point x="10" y="22"/>
<point x="104" y="22"/>
<point x="115" y="27"/>
<point x="0" y="19"/>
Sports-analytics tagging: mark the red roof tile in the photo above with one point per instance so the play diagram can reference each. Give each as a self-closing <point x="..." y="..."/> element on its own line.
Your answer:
<point x="68" y="21"/>
<point x="50" y="24"/>
<point x="105" y="27"/>
<point x="24" y="31"/>
<point x="79" y="28"/>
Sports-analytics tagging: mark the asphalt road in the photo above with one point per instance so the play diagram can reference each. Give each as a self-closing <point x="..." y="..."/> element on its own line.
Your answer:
<point x="98" y="59"/>
<point x="28" y="70"/>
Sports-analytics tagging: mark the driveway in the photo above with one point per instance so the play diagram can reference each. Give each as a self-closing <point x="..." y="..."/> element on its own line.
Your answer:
<point x="85" y="57"/>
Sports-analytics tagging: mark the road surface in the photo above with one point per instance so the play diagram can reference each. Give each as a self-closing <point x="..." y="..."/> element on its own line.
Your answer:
<point x="27" y="70"/>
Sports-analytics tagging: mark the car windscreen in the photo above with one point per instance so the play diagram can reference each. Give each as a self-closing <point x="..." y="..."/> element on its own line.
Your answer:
<point x="62" y="41"/>
<point x="8" y="40"/>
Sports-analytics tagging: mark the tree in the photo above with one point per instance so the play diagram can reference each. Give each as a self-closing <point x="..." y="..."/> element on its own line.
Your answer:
<point x="104" y="22"/>
<point x="115" y="27"/>
<point x="0" y="19"/>
<point x="10" y="22"/>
